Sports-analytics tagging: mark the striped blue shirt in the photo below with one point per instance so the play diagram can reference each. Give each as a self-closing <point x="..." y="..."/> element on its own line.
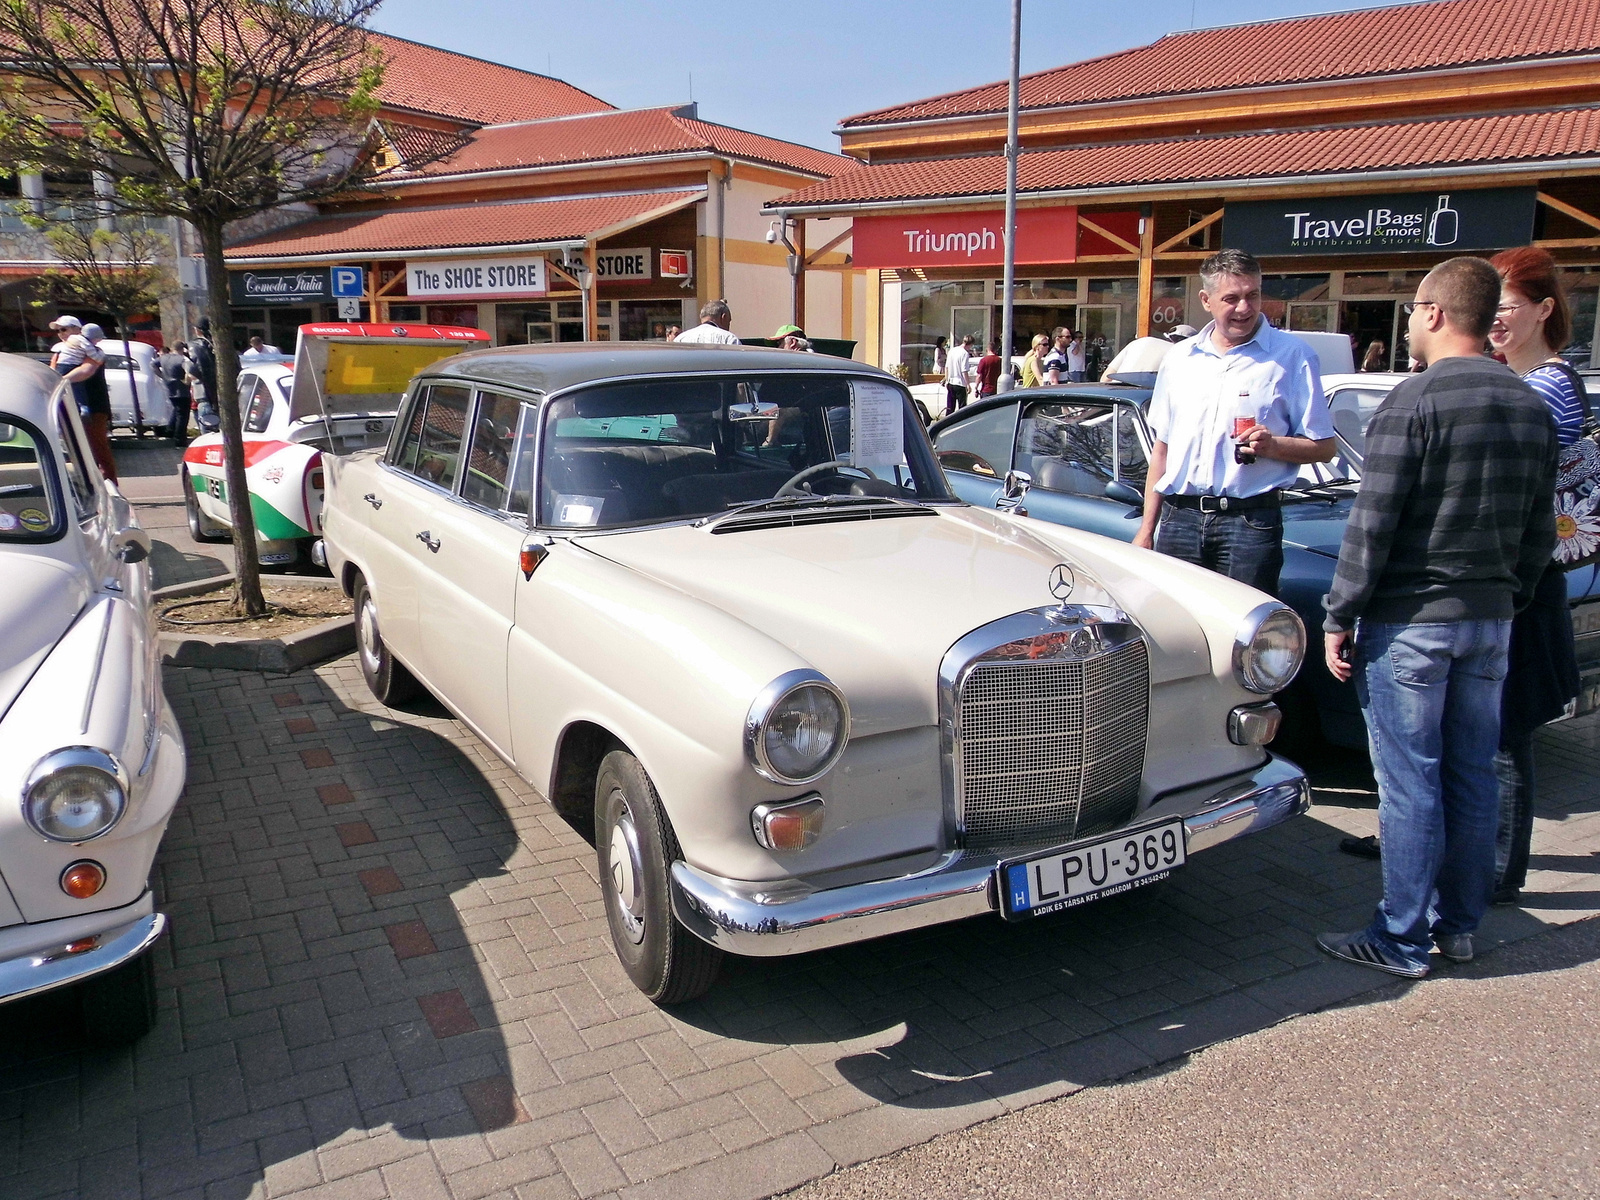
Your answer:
<point x="1555" y="386"/>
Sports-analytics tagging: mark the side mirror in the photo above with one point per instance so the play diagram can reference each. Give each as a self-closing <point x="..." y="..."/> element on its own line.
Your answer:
<point x="1014" y="492"/>
<point x="130" y="545"/>
<point x="1125" y="493"/>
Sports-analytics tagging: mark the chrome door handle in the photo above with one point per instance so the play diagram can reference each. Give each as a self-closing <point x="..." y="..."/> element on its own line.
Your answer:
<point x="428" y="540"/>
<point x="373" y="500"/>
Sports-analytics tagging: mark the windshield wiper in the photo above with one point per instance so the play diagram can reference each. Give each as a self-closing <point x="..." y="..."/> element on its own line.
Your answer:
<point x="1332" y="489"/>
<point x="783" y="502"/>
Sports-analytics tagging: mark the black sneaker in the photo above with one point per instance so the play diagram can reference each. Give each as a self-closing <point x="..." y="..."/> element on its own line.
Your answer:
<point x="1359" y="949"/>
<point x="1361" y="847"/>
<point x="1457" y="947"/>
<point x="1506" y="895"/>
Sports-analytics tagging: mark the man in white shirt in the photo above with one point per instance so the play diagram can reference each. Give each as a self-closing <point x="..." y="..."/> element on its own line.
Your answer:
<point x="1236" y="409"/>
<point x="258" y="349"/>
<point x="956" y="369"/>
<point x="1077" y="359"/>
<point x="715" y="318"/>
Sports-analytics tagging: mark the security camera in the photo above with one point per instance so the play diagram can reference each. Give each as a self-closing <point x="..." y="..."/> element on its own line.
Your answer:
<point x="772" y="234"/>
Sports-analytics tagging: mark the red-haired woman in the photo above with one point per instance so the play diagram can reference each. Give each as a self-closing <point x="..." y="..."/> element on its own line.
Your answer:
<point x="1531" y="325"/>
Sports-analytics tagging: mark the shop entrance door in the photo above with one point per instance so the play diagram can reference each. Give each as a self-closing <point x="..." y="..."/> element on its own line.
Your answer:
<point x="1102" y="321"/>
<point x="1368" y="321"/>
<point x="970" y="319"/>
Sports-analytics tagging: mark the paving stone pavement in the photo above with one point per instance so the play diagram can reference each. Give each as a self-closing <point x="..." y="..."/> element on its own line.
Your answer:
<point x="389" y="975"/>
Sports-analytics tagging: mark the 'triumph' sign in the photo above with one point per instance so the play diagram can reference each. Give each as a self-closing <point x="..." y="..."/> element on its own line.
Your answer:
<point x="959" y="239"/>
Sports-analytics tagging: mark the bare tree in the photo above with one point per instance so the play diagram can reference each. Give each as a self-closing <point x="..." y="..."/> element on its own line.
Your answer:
<point x="206" y="110"/>
<point x="114" y="271"/>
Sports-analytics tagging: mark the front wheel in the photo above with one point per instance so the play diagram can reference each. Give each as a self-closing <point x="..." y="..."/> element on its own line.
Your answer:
<point x="119" y="1007"/>
<point x="201" y="527"/>
<point x="636" y="848"/>
<point x="387" y="678"/>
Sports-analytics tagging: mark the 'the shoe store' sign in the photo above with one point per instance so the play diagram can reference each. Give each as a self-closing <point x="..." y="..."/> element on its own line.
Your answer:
<point x="1483" y="219"/>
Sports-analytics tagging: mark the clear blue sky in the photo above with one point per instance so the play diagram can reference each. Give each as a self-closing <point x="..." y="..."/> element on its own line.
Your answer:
<point x="793" y="70"/>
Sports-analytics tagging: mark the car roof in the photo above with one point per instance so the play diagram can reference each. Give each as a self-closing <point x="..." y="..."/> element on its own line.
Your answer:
<point x="1368" y="378"/>
<point x="26" y="386"/>
<point x="551" y="368"/>
<point x="1092" y="392"/>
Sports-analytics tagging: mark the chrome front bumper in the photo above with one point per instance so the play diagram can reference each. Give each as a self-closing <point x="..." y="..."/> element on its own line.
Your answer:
<point x="789" y="917"/>
<point x="71" y="962"/>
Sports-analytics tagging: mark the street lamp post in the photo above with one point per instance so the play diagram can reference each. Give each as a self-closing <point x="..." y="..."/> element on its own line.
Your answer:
<point x="1013" y="150"/>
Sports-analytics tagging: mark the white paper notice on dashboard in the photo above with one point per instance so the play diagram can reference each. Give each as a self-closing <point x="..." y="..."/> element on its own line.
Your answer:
<point x="877" y="424"/>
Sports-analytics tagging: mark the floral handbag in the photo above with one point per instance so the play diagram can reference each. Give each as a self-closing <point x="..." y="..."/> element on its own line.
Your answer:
<point x="1578" y="490"/>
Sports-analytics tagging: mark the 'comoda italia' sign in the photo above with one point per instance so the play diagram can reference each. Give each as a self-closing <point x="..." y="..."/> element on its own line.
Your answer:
<point x="1434" y="222"/>
<point x="463" y="278"/>
<point x="962" y="239"/>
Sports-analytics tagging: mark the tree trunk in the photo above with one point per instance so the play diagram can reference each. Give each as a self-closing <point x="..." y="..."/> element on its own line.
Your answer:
<point x="133" y="385"/>
<point x="247" y="598"/>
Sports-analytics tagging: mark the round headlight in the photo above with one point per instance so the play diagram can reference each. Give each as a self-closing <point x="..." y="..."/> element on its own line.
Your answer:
<point x="797" y="728"/>
<point x="74" y="795"/>
<point x="1268" y="648"/>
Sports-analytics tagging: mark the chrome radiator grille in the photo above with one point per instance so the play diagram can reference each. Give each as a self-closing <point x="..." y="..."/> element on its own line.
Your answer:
<point x="1051" y="749"/>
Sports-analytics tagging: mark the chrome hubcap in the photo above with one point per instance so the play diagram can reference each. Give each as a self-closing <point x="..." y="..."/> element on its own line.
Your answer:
<point x="367" y="635"/>
<point x="627" y="875"/>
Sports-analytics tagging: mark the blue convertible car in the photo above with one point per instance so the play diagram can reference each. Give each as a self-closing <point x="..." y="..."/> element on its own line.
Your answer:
<point x="1083" y="450"/>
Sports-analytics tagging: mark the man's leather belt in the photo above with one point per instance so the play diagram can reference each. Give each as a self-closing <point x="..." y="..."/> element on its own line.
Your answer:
<point x="1225" y="504"/>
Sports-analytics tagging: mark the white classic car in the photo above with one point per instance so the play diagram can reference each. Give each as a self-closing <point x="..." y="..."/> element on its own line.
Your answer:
<point x="338" y="393"/>
<point x="153" y="411"/>
<point x="722" y="603"/>
<point x="91" y="760"/>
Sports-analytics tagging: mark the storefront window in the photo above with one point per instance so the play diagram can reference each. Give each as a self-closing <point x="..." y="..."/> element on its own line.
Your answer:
<point x="546" y="321"/>
<point x="1583" y="293"/>
<point x="1168" y="296"/>
<point x="1382" y="283"/>
<point x="927" y="310"/>
<point x="453" y="314"/>
<point x="405" y="312"/>
<point x="1297" y="301"/>
<point x="1038" y="289"/>
<point x="647" y="320"/>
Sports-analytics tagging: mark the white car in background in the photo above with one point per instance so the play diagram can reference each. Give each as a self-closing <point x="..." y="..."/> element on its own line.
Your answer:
<point x="154" y="410"/>
<point x="91" y="759"/>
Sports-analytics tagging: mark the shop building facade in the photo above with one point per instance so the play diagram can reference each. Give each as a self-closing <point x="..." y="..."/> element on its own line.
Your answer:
<point x="603" y="225"/>
<point x="1350" y="152"/>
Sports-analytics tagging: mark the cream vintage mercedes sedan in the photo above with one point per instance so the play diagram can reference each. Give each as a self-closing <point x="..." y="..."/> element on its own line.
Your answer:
<point x="722" y="603"/>
<point x="91" y="760"/>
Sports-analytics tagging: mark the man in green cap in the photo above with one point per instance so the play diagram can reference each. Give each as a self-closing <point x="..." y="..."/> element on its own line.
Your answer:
<point x="791" y="337"/>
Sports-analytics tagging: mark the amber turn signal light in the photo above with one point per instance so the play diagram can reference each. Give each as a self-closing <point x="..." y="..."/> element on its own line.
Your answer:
<point x="83" y="879"/>
<point x="531" y="557"/>
<point x="791" y="825"/>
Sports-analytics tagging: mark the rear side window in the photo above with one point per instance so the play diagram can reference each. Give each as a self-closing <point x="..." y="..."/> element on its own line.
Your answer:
<point x="431" y="446"/>
<point x="258" y="413"/>
<point x="29" y="509"/>
<point x="80" y="476"/>
<point x="493" y="451"/>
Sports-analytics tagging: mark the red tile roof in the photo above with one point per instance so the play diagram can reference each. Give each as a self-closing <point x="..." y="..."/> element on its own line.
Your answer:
<point x="1506" y="138"/>
<point x="427" y="79"/>
<point x="1379" y="41"/>
<point x="463" y="225"/>
<point x="632" y="134"/>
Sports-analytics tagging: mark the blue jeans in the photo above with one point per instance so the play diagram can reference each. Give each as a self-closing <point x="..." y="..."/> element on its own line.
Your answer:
<point x="1246" y="546"/>
<point x="1431" y="697"/>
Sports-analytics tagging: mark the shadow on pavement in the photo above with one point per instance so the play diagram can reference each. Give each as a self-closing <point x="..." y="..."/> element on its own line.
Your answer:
<point x="318" y="978"/>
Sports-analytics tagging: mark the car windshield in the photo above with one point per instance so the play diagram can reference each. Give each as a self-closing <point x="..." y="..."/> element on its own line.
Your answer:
<point x="29" y="511"/>
<point x="1351" y="408"/>
<point x="669" y="449"/>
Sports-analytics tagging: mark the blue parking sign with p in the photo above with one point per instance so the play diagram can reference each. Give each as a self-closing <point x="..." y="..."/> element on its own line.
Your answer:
<point x="349" y="283"/>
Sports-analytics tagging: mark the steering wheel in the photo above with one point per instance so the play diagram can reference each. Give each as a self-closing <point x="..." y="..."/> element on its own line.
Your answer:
<point x="793" y="488"/>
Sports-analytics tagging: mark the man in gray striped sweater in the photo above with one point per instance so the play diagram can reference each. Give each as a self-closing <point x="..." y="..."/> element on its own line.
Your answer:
<point x="1453" y="526"/>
